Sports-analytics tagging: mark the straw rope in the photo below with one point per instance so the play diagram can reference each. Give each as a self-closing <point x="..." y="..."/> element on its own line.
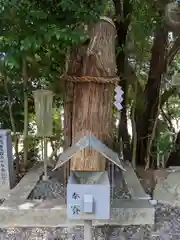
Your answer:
<point x="111" y="80"/>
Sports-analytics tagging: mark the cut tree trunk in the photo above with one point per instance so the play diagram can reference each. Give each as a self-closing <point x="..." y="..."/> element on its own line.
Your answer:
<point x="74" y="69"/>
<point x="93" y="66"/>
<point x="68" y="102"/>
<point x="94" y="102"/>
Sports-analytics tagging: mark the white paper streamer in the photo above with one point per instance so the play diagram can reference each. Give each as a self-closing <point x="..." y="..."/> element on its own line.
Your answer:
<point x="118" y="97"/>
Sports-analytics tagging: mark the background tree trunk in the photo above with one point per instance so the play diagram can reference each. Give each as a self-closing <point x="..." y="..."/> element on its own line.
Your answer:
<point x="174" y="158"/>
<point x="26" y="121"/>
<point x="145" y="122"/>
<point x="15" y="136"/>
<point x="123" y="15"/>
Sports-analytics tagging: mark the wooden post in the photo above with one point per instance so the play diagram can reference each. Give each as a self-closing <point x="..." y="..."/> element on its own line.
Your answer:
<point x="92" y="72"/>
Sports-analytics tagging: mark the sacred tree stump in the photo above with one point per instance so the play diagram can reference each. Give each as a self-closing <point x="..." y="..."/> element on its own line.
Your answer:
<point x="90" y="83"/>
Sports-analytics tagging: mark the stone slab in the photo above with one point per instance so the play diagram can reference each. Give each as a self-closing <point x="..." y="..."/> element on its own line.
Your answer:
<point x="4" y="192"/>
<point x="167" y="190"/>
<point x="25" y="186"/>
<point x="133" y="184"/>
<point x="38" y="214"/>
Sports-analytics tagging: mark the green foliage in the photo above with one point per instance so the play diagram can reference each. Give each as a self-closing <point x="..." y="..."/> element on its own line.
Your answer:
<point x="145" y="18"/>
<point x="83" y="10"/>
<point x="43" y="31"/>
<point x="172" y="107"/>
<point x="163" y="143"/>
<point x="16" y="93"/>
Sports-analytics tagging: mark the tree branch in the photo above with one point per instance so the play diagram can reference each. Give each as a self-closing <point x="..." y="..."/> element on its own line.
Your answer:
<point x="118" y="8"/>
<point x="173" y="51"/>
<point x="166" y="95"/>
<point x="166" y="117"/>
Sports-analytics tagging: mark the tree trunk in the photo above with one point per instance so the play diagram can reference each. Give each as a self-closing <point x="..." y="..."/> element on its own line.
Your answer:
<point x="25" y="82"/>
<point x="15" y="136"/>
<point x="73" y="67"/>
<point x="68" y="103"/>
<point x="123" y="16"/>
<point x="174" y="158"/>
<point x="52" y="145"/>
<point x="145" y="123"/>
<point x="94" y="68"/>
<point x="134" y="130"/>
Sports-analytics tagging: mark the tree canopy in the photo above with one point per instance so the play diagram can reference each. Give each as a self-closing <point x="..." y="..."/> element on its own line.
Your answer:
<point x="36" y="39"/>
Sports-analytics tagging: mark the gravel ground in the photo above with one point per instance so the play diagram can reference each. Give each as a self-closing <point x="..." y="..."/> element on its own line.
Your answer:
<point x="53" y="189"/>
<point x="48" y="189"/>
<point x="167" y="227"/>
<point x="167" y="221"/>
<point x="61" y="234"/>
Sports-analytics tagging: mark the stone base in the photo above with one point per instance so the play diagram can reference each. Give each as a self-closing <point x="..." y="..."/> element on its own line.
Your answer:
<point x="51" y="214"/>
<point x="17" y="211"/>
<point x="167" y="190"/>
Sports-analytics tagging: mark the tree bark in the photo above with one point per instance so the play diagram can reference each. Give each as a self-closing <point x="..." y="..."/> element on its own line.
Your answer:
<point x="74" y="68"/>
<point x="68" y="103"/>
<point x="91" y="102"/>
<point x="123" y="16"/>
<point x="134" y="130"/>
<point x="16" y="138"/>
<point x="145" y="124"/>
<point x="173" y="51"/>
<point x="173" y="159"/>
<point x="25" y="82"/>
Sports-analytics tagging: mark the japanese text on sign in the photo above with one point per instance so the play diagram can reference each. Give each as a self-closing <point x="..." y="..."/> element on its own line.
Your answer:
<point x="75" y="210"/>
<point x="2" y="166"/>
<point x="75" y="196"/>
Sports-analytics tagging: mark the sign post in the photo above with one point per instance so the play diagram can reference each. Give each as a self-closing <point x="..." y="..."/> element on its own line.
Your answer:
<point x="7" y="174"/>
<point x="88" y="230"/>
<point x="88" y="193"/>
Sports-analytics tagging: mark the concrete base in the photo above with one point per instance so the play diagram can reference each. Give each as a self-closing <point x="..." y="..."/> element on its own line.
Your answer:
<point x="167" y="190"/>
<point x="17" y="211"/>
<point x="43" y="214"/>
<point x="133" y="184"/>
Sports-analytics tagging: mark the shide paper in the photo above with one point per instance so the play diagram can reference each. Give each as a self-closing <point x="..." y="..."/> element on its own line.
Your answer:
<point x="118" y="97"/>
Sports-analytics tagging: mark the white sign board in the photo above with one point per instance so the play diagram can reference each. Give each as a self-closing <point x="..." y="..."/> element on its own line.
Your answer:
<point x="88" y="201"/>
